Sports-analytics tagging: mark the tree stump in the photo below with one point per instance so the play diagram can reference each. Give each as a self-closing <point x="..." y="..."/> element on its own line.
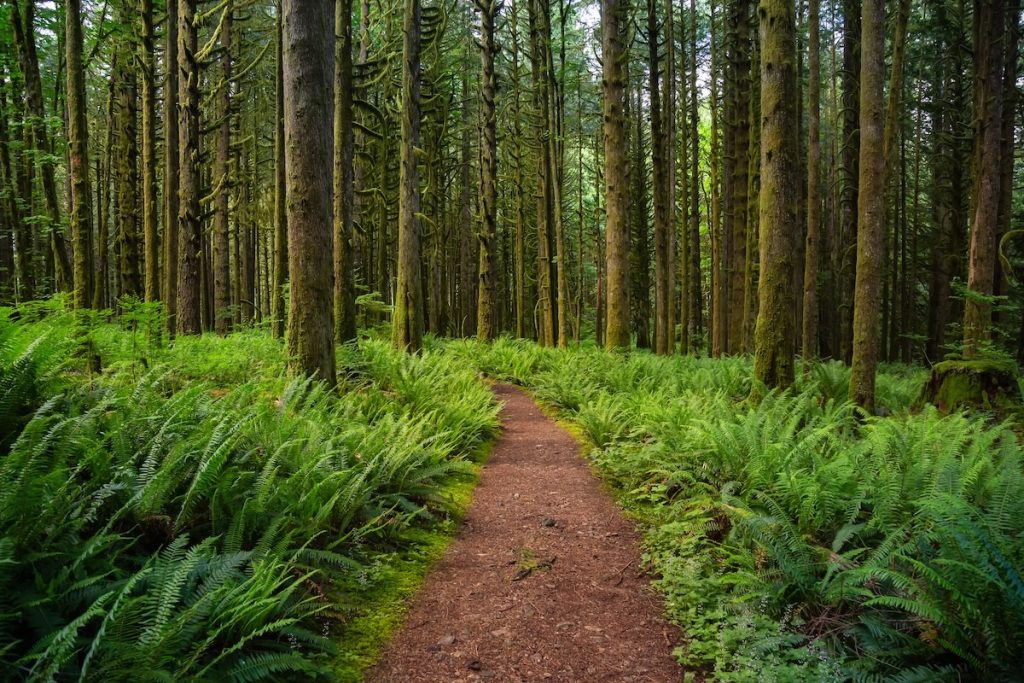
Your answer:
<point x="979" y="384"/>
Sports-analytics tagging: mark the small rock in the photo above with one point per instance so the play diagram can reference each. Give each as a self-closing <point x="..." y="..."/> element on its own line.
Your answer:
<point x="446" y="640"/>
<point x="475" y="665"/>
<point x="528" y="611"/>
<point x="548" y="522"/>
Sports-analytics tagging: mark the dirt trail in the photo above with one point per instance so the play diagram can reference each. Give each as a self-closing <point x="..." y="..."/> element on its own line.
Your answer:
<point x="542" y="583"/>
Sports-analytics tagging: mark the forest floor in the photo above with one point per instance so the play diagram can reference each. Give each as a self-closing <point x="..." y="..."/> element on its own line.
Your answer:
<point x="543" y="583"/>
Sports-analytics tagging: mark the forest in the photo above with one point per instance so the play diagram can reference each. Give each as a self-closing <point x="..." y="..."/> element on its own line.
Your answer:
<point x="511" y="340"/>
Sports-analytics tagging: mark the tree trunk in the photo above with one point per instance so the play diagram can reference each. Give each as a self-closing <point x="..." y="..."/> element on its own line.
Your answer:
<point x="663" y="275"/>
<point x="809" y="341"/>
<point x="171" y="165"/>
<point x="614" y="26"/>
<point x="774" y="336"/>
<point x="991" y="20"/>
<point x="308" y="70"/>
<point x="407" y="320"/>
<point x="126" y="165"/>
<point x="344" y="178"/>
<point x="870" y="208"/>
<point x="78" y="155"/>
<point x="280" y="276"/>
<point x="190" y="236"/>
<point x="739" y="125"/>
<point x="222" y="185"/>
<point x="486" y="328"/>
<point x="150" y="236"/>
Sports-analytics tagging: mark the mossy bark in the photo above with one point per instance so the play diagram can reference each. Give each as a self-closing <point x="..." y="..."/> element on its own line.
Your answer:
<point x="308" y="70"/>
<point x="189" y="320"/>
<point x="774" y="337"/>
<point x="280" y="276"/>
<point x="486" y="308"/>
<point x="150" y="236"/>
<point x="170" y="179"/>
<point x="344" y="177"/>
<point x="979" y="384"/>
<point x="78" y="157"/>
<point x="222" y="184"/>
<point x="614" y="21"/>
<point x="809" y="328"/>
<point x="407" y="321"/>
<point x="870" y="209"/>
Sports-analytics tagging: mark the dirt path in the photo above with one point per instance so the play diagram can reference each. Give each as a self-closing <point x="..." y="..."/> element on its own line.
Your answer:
<point x="542" y="582"/>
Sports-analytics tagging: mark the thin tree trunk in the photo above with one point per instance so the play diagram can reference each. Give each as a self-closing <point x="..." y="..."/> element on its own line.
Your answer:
<point x="222" y="185"/>
<point x="171" y="165"/>
<point x="407" y="320"/>
<point x="486" y="305"/>
<point x="344" y="178"/>
<point x="190" y="236"/>
<point x="870" y="208"/>
<point x="280" y="275"/>
<point x="809" y="342"/>
<point x="614" y="22"/>
<point x="78" y="155"/>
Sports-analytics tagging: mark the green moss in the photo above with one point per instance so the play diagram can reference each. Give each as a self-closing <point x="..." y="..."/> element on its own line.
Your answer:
<point x="372" y="606"/>
<point x="984" y="384"/>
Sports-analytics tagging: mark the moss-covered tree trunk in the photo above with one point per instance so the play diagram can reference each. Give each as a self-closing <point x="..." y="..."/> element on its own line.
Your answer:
<point x="870" y="208"/>
<point x="150" y="235"/>
<point x="488" y="206"/>
<point x="809" y="324"/>
<point x="190" y="234"/>
<point x="126" y="173"/>
<point x="78" y="157"/>
<point x="223" y="183"/>
<point x="308" y="70"/>
<point x="774" y="337"/>
<point x="170" y="179"/>
<point x="739" y="135"/>
<point x="614" y="27"/>
<point x="344" y="178"/>
<point x="407" y="322"/>
<point x="280" y="266"/>
<point x="663" y="275"/>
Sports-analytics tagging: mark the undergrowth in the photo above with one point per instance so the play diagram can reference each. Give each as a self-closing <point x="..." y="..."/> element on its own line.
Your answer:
<point x="791" y="541"/>
<point x="185" y="511"/>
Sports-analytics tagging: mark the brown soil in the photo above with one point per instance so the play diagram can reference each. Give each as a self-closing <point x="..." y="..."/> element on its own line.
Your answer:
<point x="543" y="582"/>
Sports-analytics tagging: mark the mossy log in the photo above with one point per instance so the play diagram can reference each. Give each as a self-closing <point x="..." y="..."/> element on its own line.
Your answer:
<point x="978" y="384"/>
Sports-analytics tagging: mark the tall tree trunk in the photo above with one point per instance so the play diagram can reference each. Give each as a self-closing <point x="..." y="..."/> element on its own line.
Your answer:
<point x="150" y="236"/>
<point x="809" y="329"/>
<point x="695" y="318"/>
<point x="344" y="178"/>
<point x="223" y="183"/>
<point x="126" y="165"/>
<point x="190" y="235"/>
<point x="614" y="26"/>
<point x="280" y="268"/>
<point x="663" y="275"/>
<point x="739" y="124"/>
<point x="991" y="21"/>
<point x="78" y="155"/>
<point x="171" y="165"/>
<point x="486" y="306"/>
<point x="870" y="208"/>
<point x="308" y="70"/>
<point x="844" y="264"/>
<point x="774" y="335"/>
<point x="408" y="316"/>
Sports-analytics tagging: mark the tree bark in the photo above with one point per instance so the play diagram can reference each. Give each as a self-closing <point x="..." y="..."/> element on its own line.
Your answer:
<point x="809" y="328"/>
<point x="774" y="333"/>
<point x="223" y="182"/>
<point x="190" y="234"/>
<point x="486" y="306"/>
<point x="308" y="70"/>
<point x="280" y="274"/>
<point x="408" y="314"/>
<point x="344" y="178"/>
<point x="171" y="165"/>
<point x="991" y="20"/>
<point x="870" y="208"/>
<point x="614" y="21"/>
<point x="78" y="155"/>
